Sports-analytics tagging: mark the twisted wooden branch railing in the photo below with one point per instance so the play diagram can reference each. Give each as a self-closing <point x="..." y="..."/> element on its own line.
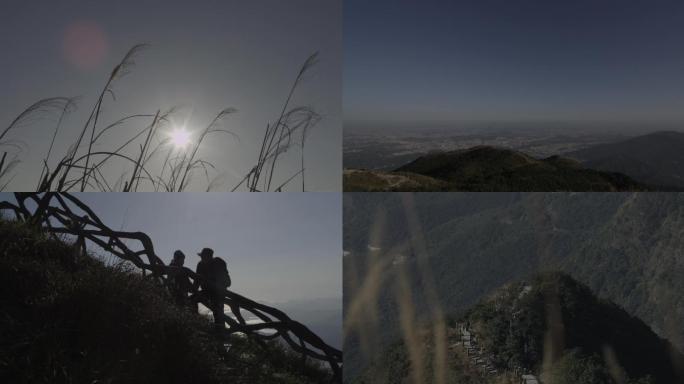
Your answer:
<point x="63" y="213"/>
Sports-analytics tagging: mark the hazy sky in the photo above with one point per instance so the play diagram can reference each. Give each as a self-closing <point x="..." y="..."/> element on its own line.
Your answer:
<point x="205" y="55"/>
<point x="502" y="60"/>
<point x="278" y="246"/>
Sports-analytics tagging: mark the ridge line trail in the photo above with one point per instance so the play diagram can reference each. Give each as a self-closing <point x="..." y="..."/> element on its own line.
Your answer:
<point x="478" y="357"/>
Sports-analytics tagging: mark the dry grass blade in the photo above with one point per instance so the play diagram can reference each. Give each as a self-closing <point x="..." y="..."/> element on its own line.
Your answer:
<point x="68" y="107"/>
<point x="298" y="119"/>
<point x="37" y="110"/>
<point x="305" y="133"/>
<point x="74" y="164"/>
<point x="118" y="123"/>
<point x="122" y="69"/>
<point x="143" y="151"/>
<point x="280" y="187"/>
<point x="271" y="145"/>
<point x="128" y="62"/>
<point x="84" y="166"/>
<point x="211" y="128"/>
<point x="5" y="169"/>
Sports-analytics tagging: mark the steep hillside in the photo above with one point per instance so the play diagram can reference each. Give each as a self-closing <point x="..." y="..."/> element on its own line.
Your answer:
<point x="68" y="318"/>
<point x="626" y="247"/>
<point x="534" y="324"/>
<point x="655" y="159"/>
<point x="489" y="169"/>
<point x="550" y="327"/>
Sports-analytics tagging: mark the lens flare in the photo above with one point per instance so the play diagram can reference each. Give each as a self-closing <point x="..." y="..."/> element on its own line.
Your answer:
<point x="85" y="45"/>
<point x="180" y="138"/>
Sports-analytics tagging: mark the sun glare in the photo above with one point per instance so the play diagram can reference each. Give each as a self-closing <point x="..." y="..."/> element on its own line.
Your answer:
<point x="180" y="138"/>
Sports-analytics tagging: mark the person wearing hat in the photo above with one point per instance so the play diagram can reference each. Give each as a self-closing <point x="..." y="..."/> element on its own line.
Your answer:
<point x="214" y="280"/>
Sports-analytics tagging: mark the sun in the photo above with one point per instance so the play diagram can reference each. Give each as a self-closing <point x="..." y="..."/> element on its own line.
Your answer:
<point x="180" y="138"/>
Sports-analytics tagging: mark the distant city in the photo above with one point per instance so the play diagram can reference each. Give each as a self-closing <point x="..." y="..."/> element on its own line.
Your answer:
<point x="390" y="148"/>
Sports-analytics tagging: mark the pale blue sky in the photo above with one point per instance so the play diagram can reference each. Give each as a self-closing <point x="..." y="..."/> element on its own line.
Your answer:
<point x="278" y="246"/>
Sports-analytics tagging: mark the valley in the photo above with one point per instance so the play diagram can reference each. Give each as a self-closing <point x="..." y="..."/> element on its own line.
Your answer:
<point x="435" y="256"/>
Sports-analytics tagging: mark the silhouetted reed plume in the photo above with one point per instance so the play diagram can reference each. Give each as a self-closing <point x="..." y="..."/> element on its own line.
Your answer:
<point x="151" y="163"/>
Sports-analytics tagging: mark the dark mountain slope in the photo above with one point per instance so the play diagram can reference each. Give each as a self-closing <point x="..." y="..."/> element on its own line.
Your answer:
<point x="68" y="318"/>
<point x="489" y="169"/>
<point x="654" y="159"/>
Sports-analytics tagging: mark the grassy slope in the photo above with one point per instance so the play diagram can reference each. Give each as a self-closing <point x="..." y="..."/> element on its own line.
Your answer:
<point x="71" y="319"/>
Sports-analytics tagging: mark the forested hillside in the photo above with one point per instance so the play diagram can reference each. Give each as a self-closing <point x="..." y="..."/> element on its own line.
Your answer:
<point x="454" y="249"/>
<point x="548" y="327"/>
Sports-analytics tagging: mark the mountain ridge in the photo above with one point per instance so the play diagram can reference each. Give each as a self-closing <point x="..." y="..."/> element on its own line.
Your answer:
<point x="486" y="168"/>
<point x="656" y="158"/>
<point x="545" y="326"/>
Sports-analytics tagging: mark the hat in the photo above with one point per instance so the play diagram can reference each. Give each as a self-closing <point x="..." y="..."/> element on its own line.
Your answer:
<point x="206" y="252"/>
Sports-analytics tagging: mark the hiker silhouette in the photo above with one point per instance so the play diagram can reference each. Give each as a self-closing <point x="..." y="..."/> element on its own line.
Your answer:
<point x="76" y="226"/>
<point x="180" y="284"/>
<point x="215" y="279"/>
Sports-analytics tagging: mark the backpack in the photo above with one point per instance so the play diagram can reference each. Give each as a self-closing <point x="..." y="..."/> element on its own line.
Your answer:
<point x="220" y="273"/>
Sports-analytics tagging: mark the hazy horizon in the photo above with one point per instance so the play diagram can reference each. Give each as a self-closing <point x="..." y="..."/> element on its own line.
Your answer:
<point x="626" y="127"/>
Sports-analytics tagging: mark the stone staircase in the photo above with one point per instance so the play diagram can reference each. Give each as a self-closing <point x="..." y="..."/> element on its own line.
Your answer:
<point x="480" y="358"/>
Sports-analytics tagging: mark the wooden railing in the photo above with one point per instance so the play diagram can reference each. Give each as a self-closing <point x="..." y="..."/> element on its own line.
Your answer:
<point x="63" y="213"/>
